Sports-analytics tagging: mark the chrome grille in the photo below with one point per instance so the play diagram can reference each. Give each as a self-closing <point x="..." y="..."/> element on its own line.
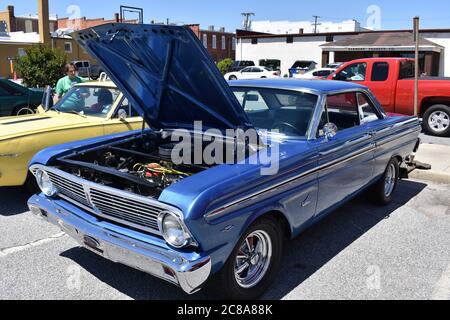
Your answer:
<point x="107" y="203"/>
<point x="69" y="188"/>
<point x="119" y="207"/>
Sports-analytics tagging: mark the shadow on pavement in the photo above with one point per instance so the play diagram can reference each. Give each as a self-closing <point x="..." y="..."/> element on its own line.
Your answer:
<point x="13" y="201"/>
<point x="302" y="257"/>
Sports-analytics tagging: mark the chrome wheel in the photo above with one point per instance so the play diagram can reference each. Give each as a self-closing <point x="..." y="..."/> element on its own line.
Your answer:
<point x="24" y="111"/>
<point x="253" y="259"/>
<point x="439" y="121"/>
<point x="390" y="180"/>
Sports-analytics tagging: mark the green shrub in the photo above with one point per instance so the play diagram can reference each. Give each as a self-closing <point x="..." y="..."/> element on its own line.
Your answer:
<point x="41" y="66"/>
<point x="224" y="65"/>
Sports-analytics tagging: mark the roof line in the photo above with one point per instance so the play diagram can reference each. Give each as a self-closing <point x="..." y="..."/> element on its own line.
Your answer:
<point x="270" y="35"/>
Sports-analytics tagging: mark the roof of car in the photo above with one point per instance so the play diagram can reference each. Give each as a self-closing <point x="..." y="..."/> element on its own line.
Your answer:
<point x="318" y="86"/>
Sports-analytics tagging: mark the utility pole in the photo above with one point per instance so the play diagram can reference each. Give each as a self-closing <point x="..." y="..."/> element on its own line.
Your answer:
<point x="417" y="66"/>
<point x="316" y="23"/>
<point x="247" y="22"/>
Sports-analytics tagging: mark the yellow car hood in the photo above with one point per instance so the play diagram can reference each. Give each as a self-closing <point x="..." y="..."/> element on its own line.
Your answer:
<point x="14" y="127"/>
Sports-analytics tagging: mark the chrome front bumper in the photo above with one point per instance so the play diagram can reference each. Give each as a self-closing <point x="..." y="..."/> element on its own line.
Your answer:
<point x="187" y="270"/>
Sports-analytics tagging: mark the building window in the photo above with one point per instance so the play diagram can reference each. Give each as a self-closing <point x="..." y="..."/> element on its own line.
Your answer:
<point x="205" y="40"/>
<point x="289" y="39"/>
<point x="233" y="44"/>
<point x="224" y="43"/>
<point x="214" y="42"/>
<point x="28" y="26"/>
<point x="330" y="38"/>
<point x="254" y="40"/>
<point x="68" y="47"/>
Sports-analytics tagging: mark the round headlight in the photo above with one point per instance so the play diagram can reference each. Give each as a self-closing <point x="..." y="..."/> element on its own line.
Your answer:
<point x="43" y="181"/>
<point x="173" y="230"/>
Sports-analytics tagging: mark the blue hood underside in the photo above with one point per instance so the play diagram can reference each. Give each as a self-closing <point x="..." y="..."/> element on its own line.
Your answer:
<point x="166" y="73"/>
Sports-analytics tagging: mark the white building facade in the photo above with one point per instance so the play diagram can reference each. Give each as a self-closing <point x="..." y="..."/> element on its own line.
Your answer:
<point x="295" y="27"/>
<point x="290" y="48"/>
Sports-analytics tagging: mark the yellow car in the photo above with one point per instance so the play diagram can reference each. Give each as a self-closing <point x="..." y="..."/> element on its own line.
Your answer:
<point x="88" y="110"/>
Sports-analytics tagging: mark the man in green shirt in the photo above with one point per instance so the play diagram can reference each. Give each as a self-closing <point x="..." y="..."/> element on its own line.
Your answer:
<point x="66" y="83"/>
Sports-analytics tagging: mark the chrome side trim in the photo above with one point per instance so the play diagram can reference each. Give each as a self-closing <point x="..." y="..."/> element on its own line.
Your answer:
<point x="216" y="213"/>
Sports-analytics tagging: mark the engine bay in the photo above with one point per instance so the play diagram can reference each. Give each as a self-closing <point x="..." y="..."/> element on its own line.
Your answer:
<point x="141" y="165"/>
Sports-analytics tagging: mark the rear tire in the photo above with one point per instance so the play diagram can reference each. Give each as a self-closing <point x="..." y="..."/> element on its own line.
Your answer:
<point x="436" y="120"/>
<point x="247" y="275"/>
<point x="382" y="193"/>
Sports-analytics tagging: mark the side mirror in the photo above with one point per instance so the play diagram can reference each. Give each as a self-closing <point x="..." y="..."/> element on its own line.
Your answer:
<point x="329" y="130"/>
<point x="122" y="114"/>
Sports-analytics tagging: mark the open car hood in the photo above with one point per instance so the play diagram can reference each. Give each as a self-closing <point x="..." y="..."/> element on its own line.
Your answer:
<point x="166" y="73"/>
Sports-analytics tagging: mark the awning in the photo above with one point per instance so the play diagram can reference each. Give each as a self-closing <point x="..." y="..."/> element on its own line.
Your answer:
<point x="379" y="41"/>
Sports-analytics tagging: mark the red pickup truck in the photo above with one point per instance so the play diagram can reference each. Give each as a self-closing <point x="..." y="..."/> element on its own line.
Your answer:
<point x="392" y="82"/>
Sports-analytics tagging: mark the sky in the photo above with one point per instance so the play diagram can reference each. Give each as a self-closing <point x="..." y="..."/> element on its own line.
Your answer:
<point x="227" y="13"/>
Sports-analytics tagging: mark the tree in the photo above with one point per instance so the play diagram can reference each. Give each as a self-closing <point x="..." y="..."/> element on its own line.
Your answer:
<point x="41" y="66"/>
<point x="224" y="65"/>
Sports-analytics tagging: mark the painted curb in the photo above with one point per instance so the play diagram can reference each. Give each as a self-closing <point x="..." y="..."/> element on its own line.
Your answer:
<point x="430" y="175"/>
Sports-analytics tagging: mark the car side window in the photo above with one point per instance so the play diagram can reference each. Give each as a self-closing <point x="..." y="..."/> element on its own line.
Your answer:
<point x="380" y="71"/>
<point x="257" y="70"/>
<point x="9" y="90"/>
<point x="247" y="70"/>
<point x="343" y="110"/>
<point x="367" y="112"/>
<point x="354" y="72"/>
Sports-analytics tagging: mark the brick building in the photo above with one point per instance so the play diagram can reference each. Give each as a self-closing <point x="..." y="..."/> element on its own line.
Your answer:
<point x="220" y="44"/>
<point x="83" y="23"/>
<point x="24" y="23"/>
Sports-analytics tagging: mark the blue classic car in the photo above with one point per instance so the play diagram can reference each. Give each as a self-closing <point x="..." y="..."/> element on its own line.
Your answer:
<point x="129" y="198"/>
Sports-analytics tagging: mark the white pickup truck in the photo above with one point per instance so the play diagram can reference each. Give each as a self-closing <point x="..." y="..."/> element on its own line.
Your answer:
<point x="86" y="70"/>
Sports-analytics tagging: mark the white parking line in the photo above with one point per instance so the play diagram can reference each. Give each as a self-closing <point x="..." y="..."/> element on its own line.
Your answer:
<point x="7" y="251"/>
<point x="442" y="287"/>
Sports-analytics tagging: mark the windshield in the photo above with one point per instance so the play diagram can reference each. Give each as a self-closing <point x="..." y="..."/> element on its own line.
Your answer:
<point x="89" y="101"/>
<point x="289" y="112"/>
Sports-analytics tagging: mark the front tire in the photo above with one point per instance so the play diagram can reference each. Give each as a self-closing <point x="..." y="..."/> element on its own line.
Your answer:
<point x="382" y="193"/>
<point x="254" y="263"/>
<point x="436" y="120"/>
<point x="233" y="78"/>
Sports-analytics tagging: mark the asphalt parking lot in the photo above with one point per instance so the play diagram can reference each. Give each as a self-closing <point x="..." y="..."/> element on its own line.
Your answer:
<point x="359" y="252"/>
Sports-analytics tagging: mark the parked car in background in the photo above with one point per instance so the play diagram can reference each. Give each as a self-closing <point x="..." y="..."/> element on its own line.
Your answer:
<point x="317" y="74"/>
<point x="16" y="99"/>
<point x="301" y="67"/>
<point x="123" y="198"/>
<point x="334" y="65"/>
<point x="253" y="73"/>
<point x="238" y="65"/>
<point x="392" y="82"/>
<point x="273" y="64"/>
<point x="87" y="110"/>
<point x="87" y="70"/>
